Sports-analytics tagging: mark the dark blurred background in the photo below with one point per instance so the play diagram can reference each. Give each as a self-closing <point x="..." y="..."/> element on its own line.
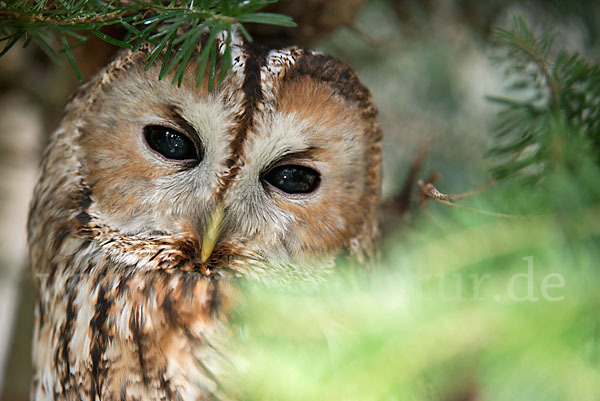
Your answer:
<point x="426" y="62"/>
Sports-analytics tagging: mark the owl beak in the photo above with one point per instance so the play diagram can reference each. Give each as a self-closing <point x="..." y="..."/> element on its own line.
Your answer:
<point x="211" y="234"/>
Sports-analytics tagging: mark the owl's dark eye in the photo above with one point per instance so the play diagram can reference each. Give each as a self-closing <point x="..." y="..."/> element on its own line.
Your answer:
<point x="170" y="143"/>
<point x="293" y="179"/>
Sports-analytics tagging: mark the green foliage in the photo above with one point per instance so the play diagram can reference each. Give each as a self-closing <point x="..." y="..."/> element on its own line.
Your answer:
<point x="557" y="106"/>
<point x="158" y="22"/>
<point x="463" y="305"/>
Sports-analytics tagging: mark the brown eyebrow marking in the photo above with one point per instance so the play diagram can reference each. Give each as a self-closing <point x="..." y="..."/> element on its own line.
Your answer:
<point x="174" y="114"/>
<point x="312" y="153"/>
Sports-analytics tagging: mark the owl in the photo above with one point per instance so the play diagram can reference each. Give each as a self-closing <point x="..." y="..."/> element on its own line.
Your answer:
<point x="154" y="200"/>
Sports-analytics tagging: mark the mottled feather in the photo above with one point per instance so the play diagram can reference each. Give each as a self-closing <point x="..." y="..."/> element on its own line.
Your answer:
<point x="127" y="309"/>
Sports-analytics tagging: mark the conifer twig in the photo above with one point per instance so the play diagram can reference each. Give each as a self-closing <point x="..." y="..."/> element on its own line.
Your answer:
<point x="557" y="106"/>
<point x="145" y="21"/>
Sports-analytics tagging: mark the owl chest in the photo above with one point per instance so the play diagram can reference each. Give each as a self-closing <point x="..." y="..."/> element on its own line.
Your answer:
<point x="151" y="336"/>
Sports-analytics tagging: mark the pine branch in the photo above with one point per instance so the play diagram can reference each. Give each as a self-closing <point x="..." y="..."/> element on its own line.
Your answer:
<point x="522" y="40"/>
<point x="146" y="21"/>
<point x="557" y="106"/>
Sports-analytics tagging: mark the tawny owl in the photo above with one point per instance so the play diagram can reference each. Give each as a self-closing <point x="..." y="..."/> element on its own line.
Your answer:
<point x="153" y="197"/>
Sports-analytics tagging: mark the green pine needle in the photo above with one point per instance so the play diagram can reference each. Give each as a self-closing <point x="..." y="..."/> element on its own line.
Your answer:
<point x="47" y="23"/>
<point x="550" y="91"/>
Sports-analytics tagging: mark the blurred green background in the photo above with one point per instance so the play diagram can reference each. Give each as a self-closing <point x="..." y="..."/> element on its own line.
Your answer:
<point x="402" y="333"/>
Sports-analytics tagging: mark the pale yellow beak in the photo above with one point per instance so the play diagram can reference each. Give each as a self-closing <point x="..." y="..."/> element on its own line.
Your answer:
<point x="211" y="233"/>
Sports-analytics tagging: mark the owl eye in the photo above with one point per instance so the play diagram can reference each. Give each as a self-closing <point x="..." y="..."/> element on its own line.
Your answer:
<point x="293" y="179"/>
<point x="170" y="143"/>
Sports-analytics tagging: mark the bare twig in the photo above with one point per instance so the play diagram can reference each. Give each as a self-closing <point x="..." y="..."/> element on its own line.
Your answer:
<point x="402" y="200"/>
<point x="396" y="208"/>
<point x="364" y="35"/>
<point x="429" y="191"/>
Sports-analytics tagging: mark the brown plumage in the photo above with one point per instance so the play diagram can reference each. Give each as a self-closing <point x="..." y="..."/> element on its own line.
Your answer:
<point x="152" y="198"/>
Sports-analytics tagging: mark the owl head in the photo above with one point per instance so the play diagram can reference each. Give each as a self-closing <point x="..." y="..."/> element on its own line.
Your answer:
<point x="279" y="164"/>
